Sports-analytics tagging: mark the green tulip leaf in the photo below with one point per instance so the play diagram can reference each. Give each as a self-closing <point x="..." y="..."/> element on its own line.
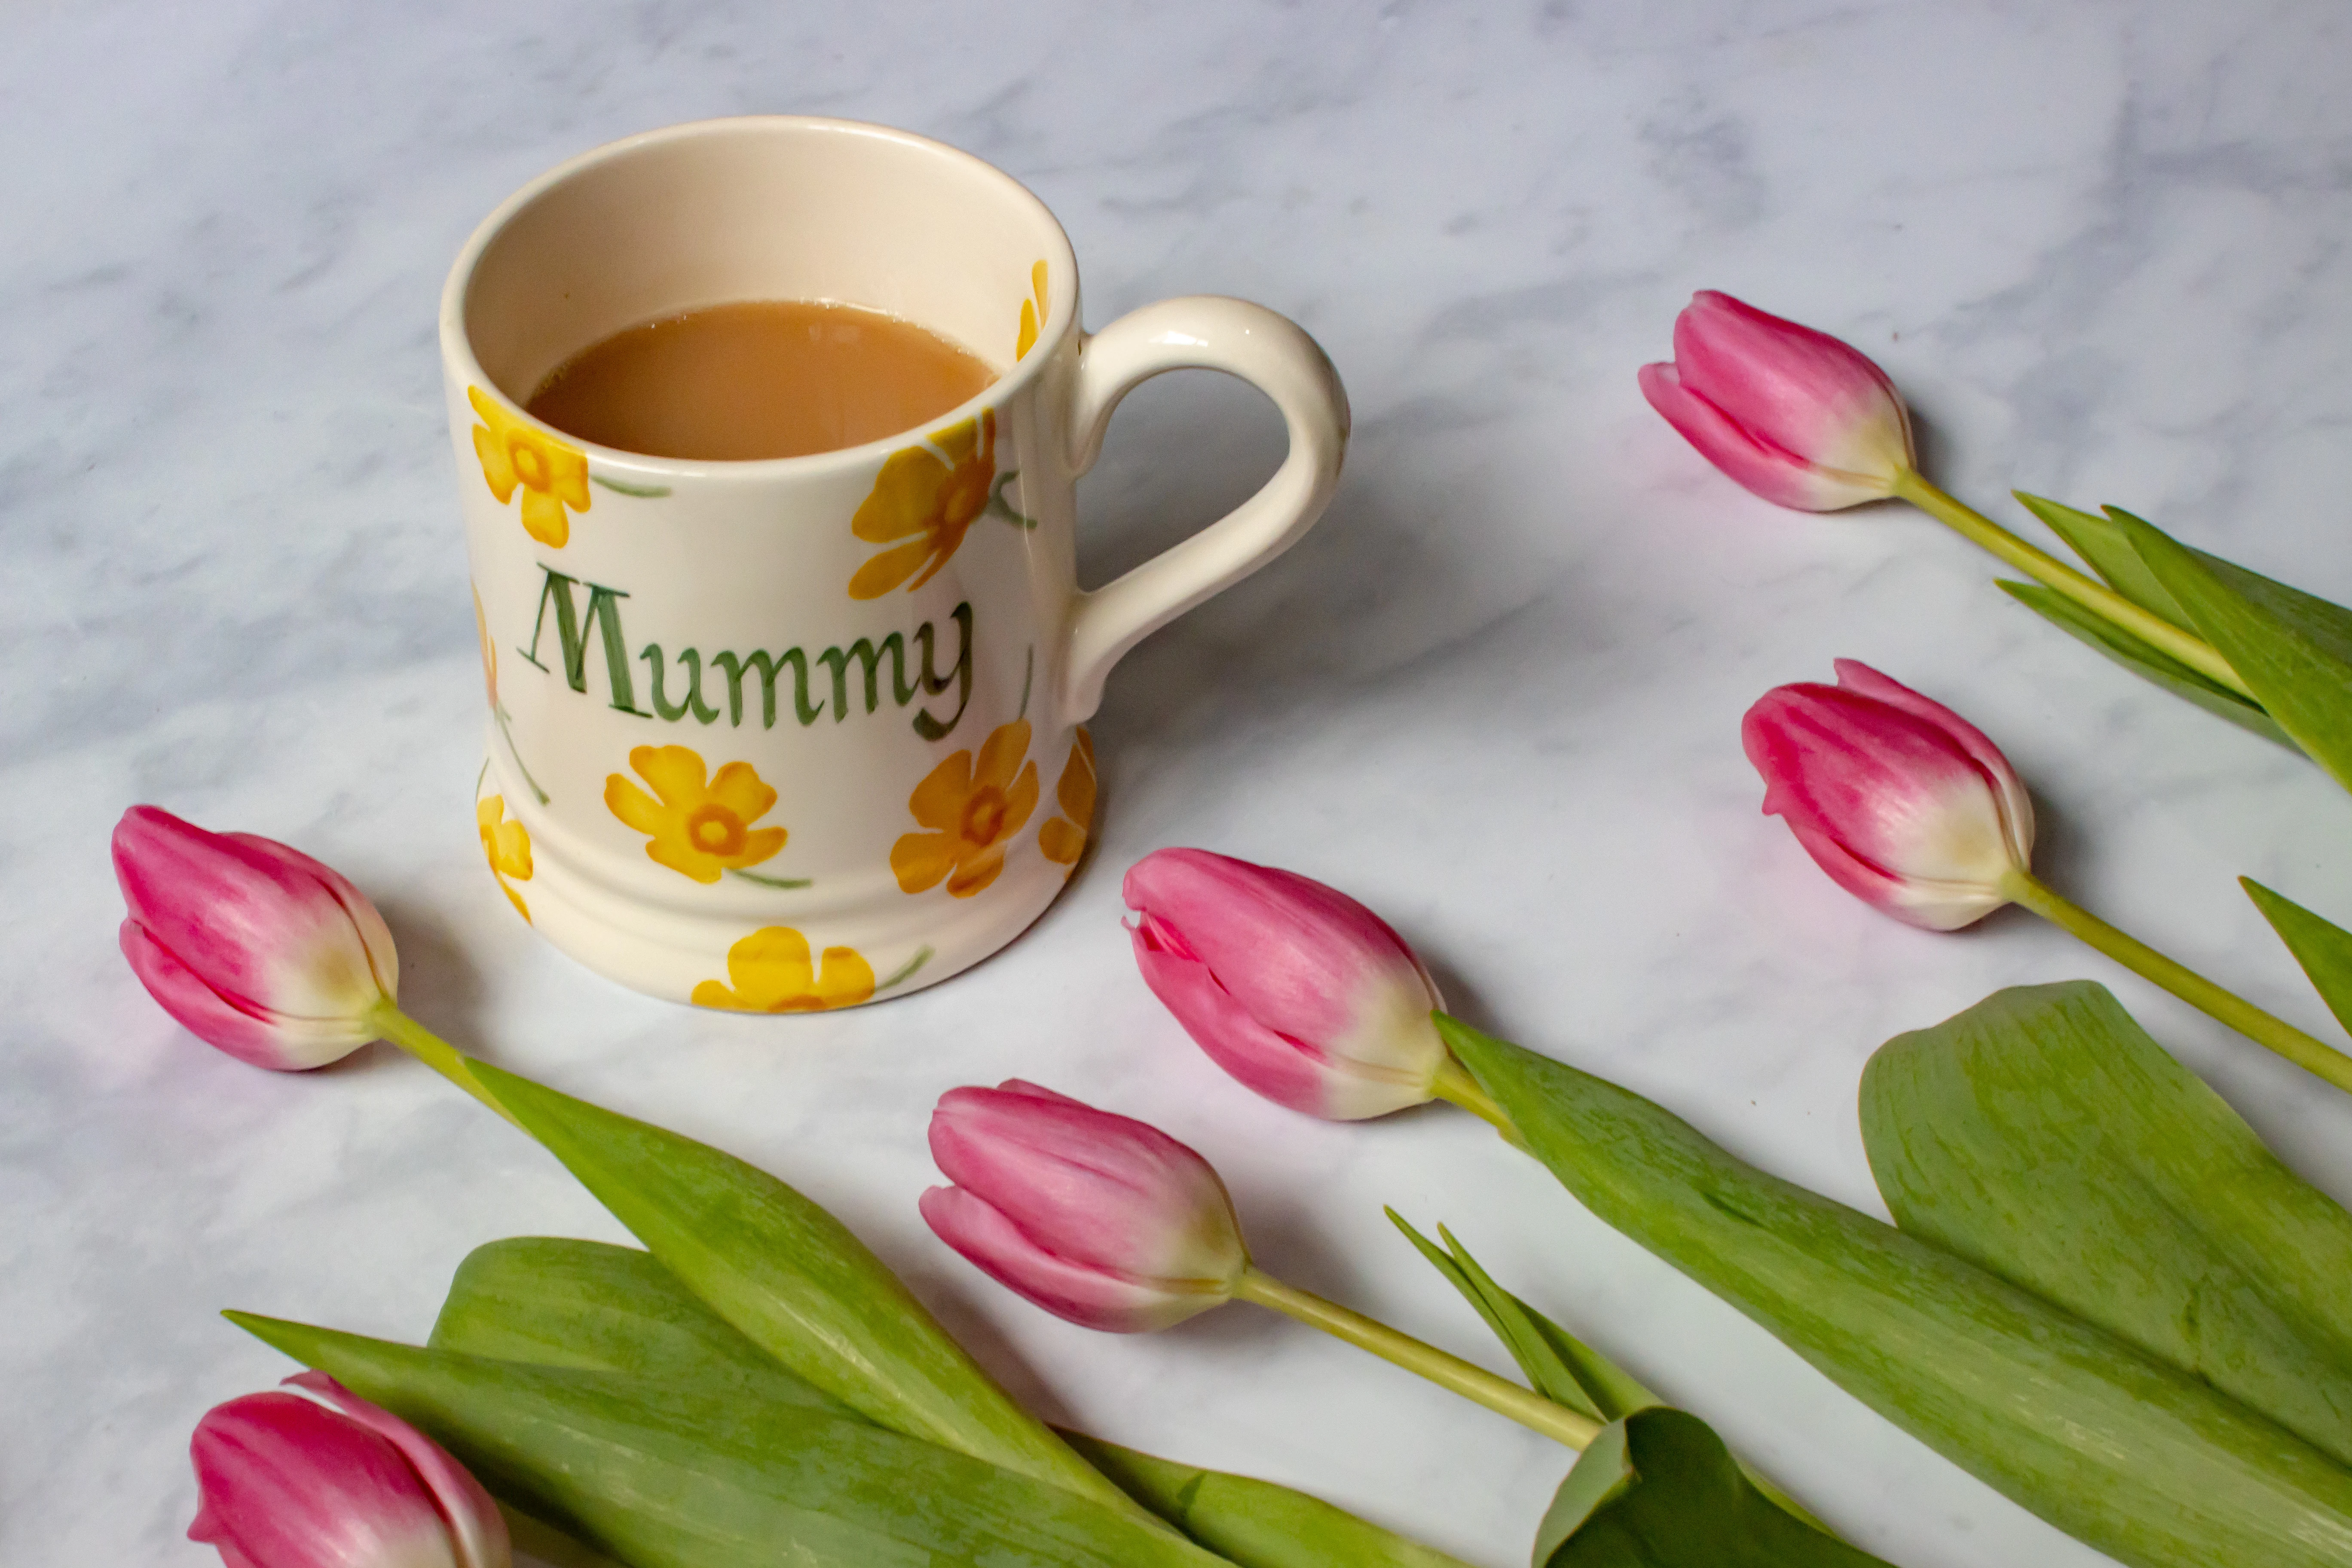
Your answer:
<point x="551" y="1301"/>
<point x="2293" y="649"/>
<point x="2143" y="659"/>
<point x="2042" y="1136"/>
<point x="661" y="1476"/>
<point x="793" y="1280"/>
<point x="2128" y="1452"/>
<point x="2322" y="948"/>
<point x="597" y="1307"/>
<point x="1255" y="1523"/>
<point x="1658" y="1489"/>
<point x="1559" y="1365"/>
<point x="2103" y="544"/>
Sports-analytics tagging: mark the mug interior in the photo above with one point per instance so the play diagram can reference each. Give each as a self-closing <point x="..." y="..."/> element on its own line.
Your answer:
<point x="764" y="208"/>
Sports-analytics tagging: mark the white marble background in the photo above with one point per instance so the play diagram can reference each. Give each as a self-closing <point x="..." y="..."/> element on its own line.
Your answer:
<point x="1497" y="693"/>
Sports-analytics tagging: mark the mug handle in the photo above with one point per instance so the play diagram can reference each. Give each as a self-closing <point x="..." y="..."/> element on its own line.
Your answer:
<point x="1202" y="331"/>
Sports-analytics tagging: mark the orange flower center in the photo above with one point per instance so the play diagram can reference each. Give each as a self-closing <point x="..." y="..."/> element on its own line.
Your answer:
<point x="530" y="464"/>
<point x="715" y="830"/>
<point x="983" y="816"/>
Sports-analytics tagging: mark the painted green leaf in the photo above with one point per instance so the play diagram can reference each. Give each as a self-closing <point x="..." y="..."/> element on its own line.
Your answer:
<point x="2143" y="660"/>
<point x="1658" y="1489"/>
<point x="2322" y="948"/>
<point x="597" y="1306"/>
<point x="793" y="1280"/>
<point x="2125" y="1452"/>
<point x="661" y="1476"/>
<point x="2101" y="543"/>
<point x="2294" y="650"/>
<point x="1255" y="1523"/>
<point x="2042" y="1136"/>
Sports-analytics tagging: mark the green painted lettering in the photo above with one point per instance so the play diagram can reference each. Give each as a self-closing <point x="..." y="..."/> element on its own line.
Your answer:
<point x="603" y="613"/>
<point x="928" y="728"/>
<point x="870" y="656"/>
<point x="694" y="704"/>
<point x="767" y="667"/>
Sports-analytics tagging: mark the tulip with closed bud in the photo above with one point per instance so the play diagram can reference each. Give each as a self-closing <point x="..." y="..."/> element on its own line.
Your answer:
<point x="1910" y="807"/>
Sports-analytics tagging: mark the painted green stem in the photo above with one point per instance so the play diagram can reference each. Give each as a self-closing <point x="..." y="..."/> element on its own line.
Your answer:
<point x="1475" y="1384"/>
<point x="435" y="1052"/>
<point x="2273" y="1034"/>
<point x="2043" y="567"/>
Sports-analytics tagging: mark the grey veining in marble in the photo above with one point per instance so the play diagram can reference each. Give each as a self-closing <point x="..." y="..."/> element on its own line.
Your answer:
<point x="1496" y="693"/>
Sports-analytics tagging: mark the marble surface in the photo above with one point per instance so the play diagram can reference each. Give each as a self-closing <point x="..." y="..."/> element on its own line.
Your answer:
<point x="1496" y="693"/>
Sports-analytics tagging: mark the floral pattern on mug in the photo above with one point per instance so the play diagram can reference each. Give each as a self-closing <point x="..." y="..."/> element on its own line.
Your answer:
<point x="507" y="847"/>
<point x="1033" y="314"/>
<point x="924" y="501"/>
<point x="769" y="972"/>
<point x="490" y="652"/>
<point x="696" y="824"/>
<point x="553" y="476"/>
<point x="973" y="811"/>
<point x="1064" y="838"/>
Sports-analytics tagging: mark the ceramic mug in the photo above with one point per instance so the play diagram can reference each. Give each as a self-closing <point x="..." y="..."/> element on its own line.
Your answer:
<point x="801" y="733"/>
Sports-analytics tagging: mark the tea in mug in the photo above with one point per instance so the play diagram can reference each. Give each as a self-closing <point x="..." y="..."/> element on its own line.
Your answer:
<point x="764" y="378"/>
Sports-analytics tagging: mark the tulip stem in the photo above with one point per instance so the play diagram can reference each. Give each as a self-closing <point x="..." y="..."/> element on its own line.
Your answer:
<point x="1456" y="1086"/>
<point x="435" y="1052"/>
<point x="1473" y="1383"/>
<point x="2273" y="1034"/>
<point x="2045" y="568"/>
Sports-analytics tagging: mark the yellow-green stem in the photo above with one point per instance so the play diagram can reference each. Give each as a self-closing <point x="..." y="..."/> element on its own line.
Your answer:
<point x="2274" y="1034"/>
<point x="2047" y="569"/>
<point x="1456" y="1086"/>
<point x="1475" y="1383"/>
<point x="435" y="1052"/>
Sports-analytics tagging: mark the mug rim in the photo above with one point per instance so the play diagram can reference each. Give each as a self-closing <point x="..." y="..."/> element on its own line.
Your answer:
<point x="458" y="348"/>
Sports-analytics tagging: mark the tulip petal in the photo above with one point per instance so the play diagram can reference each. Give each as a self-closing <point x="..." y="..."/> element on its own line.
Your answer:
<point x="1091" y="1298"/>
<point x="1801" y="391"/>
<point x="285" y="1480"/>
<point x="264" y="1040"/>
<point x="477" y="1529"/>
<point x="1754" y="463"/>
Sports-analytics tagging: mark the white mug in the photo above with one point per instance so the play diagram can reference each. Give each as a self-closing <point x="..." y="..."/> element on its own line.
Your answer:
<point x="801" y="733"/>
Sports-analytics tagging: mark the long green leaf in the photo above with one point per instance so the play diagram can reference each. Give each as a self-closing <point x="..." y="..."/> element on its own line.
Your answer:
<point x="2042" y="1135"/>
<point x="2101" y="542"/>
<point x="793" y="1280"/>
<point x="2143" y="660"/>
<point x="1658" y="1489"/>
<point x="553" y="1302"/>
<point x="2320" y="946"/>
<point x="2121" y="1450"/>
<point x="667" y="1477"/>
<point x="2293" y="649"/>
<point x="612" y="1309"/>
<point x="1255" y="1523"/>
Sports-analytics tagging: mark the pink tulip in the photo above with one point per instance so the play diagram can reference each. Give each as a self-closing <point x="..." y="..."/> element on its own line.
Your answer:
<point x="1904" y="803"/>
<point x="257" y="948"/>
<point x="1792" y="414"/>
<point x="1094" y="1218"/>
<point x="1295" y="989"/>
<point x="288" y="1482"/>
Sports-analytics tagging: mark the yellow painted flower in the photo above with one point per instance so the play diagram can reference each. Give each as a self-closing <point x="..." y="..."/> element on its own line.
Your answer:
<point x="926" y="499"/>
<point x="507" y="845"/>
<point x="1033" y="315"/>
<point x="769" y="972"/>
<point x="1064" y="837"/>
<point x="552" y="475"/>
<point x="973" y="813"/>
<point x="490" y="652"/>
<point x="696" y="827"/>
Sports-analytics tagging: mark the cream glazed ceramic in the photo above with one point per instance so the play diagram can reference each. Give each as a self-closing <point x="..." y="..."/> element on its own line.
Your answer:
<point x="803" y="734"/>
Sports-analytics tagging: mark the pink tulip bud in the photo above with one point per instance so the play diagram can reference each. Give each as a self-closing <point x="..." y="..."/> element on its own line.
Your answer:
<point x="1904" y="803"/>
<point x="289" y="1482"/>
<point x="1295" y="989"/>
<point x="1094" y="1218"/>
<point x="1792" y="414"/>
<point x="257" y="948"/>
